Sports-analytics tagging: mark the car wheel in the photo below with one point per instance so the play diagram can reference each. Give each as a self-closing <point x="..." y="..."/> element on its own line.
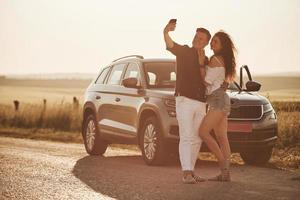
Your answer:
<point x="257" y="156"/>
<point x="151" y="142"/>
<point x="93" y="143"/>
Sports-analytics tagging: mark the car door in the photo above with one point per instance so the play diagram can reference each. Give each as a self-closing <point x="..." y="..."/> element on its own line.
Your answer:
<point x="99" y="96"/>
<point x="131" y="99"/>
<point x="109" y="111"/>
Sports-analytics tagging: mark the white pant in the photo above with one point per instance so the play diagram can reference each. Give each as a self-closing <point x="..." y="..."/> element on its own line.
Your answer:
<point x="190" y="114"/>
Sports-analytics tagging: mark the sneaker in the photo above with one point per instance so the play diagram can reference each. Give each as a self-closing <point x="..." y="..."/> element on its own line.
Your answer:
<point x="188" y="179"/>
<point x="198" y="178"/>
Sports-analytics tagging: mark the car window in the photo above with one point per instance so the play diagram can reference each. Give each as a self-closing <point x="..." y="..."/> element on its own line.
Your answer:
<point x="132" y="71"/>
<point x="173" y="76"/>
<point x="115" y="75"/>
<point x="102" y="76"/>
<point x="151" y="78"/>
<point x="233" y="87"/>
<point x="160" y="74"/>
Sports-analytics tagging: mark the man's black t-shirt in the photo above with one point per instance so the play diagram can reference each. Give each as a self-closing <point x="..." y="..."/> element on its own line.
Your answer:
<point x="188" y="79"/>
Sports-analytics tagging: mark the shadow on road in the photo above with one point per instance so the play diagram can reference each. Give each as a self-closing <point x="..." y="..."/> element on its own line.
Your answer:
<point x="127" y="177"/>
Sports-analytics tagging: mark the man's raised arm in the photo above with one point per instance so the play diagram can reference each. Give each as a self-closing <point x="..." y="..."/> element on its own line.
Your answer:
<point x="168" y="40"/>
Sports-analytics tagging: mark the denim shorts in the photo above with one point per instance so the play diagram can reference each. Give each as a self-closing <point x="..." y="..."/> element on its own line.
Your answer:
<point x="219" y="100"/>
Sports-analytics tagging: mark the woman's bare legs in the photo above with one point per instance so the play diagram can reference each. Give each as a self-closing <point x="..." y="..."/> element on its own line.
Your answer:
<point x="221" y="134"/>
<point x="210" y="122"/>
<point x="217" y="121"/>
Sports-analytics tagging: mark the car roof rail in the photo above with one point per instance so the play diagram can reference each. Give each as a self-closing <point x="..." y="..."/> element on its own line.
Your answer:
<point x="136" y="56"/>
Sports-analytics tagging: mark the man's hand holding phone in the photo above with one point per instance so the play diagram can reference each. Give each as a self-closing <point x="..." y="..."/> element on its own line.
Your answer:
<point x="170" y="26"/>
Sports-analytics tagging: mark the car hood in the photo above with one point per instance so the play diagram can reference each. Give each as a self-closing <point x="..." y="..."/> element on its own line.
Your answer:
<point x="246" y="98"/>
<point x="236" y="98"/>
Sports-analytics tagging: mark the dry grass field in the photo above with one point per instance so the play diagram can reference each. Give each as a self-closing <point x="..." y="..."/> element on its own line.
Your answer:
<point x="34" y="91"/>
<point x="63" y="90"/>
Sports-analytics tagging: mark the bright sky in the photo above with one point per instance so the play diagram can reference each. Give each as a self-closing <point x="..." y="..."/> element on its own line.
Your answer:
<point x="64" y="36"/>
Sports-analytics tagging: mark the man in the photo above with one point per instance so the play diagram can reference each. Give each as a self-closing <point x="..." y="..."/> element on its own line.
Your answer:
<point x="190" y="97"/>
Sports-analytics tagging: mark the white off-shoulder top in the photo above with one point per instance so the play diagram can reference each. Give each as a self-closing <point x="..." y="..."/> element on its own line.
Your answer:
<point x="214" y="76"/>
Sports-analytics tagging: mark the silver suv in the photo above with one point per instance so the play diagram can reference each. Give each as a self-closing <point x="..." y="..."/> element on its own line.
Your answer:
<point x="132" y="101"/>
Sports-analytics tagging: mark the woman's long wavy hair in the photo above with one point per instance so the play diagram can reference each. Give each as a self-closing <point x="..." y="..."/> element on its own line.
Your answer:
<point x="227" y="52"/>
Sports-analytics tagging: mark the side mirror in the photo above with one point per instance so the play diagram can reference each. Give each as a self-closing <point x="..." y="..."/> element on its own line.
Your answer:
<point x="253" y="86"/>
<point x="130" y="82"/>
<point x="244" y="67"/>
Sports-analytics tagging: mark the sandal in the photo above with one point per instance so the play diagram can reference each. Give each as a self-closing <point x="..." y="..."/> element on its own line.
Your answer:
<point x="216" y="178"/>
<point x="223" y="177"/>
<point x="225" y="173"/>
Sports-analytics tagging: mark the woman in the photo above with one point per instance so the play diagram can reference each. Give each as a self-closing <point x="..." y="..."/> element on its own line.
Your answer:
<point x="220" y="68"/>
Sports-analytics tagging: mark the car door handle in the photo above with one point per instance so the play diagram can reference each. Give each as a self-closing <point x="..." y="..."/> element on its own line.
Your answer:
<point x="98" y="97"/>
<point x="117" y="99"/>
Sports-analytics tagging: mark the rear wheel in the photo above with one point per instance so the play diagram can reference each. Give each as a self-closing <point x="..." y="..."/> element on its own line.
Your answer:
<point x="258" y="156"/>
<point x="151" y="142"/>
<point x="93" y="143"/>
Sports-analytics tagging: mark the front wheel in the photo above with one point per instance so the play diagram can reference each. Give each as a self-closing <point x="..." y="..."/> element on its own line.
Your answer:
<point x="151" y="142"/>
<point x="258" y="156"/>
<point x="93" y="143"/>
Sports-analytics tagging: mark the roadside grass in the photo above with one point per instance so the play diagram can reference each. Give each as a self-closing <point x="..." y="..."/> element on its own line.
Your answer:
<point x="286" y="106"/>
<point x="59" y="117"/>
<point x="288" y="129"/>
<point x="67" y="117"/>
<point x="42" y="134"/>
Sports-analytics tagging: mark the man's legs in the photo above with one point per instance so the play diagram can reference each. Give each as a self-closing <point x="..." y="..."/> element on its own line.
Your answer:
<point x="199" y="114"/>
<point x="189" y="118"/>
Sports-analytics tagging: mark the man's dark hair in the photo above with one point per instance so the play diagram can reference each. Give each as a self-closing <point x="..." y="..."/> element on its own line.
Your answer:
<point x="203" y="30"/>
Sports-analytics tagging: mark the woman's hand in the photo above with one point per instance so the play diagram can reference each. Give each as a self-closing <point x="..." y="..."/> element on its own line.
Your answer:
<point x="206" y="84"/>
<point x="225" y="85"/>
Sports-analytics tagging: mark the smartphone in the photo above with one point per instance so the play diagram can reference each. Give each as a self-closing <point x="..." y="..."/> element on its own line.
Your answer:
<point x="172" y="21"/>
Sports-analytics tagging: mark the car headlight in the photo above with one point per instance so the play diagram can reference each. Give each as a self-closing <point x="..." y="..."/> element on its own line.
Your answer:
<point x="267" y="107"/>
<point x="172" y="113"/>
<point x="170" y="102"/>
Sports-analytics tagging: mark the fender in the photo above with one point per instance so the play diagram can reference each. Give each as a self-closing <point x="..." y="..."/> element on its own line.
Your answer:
<point x="148" y="107"/>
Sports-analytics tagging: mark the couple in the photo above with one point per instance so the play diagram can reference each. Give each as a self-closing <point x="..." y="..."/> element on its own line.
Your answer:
<point x="200" y="80"/>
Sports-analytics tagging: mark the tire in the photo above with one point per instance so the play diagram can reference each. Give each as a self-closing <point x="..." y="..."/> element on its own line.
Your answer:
<point x="258" y="156"/>
<point x="151" y="142"/>
<point x="93" y="143"/>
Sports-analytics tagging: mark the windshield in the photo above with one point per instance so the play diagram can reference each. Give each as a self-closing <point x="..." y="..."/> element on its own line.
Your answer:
<point x="163" y="75"/>
<point x="233" y="87"/>
<point x="160" y="74"/>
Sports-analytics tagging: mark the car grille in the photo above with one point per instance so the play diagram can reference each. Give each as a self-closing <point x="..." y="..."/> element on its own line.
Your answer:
<point x="246" y="113"/>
